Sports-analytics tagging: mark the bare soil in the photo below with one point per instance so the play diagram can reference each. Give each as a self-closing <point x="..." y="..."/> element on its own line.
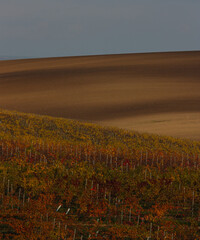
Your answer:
<point x="154" y="92"/>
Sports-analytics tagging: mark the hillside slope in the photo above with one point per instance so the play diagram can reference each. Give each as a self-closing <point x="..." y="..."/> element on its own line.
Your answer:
<point x="31" y="127"/>
<point x="63" y="179"/>
<point x="155" y="92"/>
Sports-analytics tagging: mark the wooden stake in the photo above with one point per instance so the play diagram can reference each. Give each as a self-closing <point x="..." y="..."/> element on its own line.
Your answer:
<point x="121" y="216"/>
<point x="138" y="221"/>
<point x="74" y="234"/>
<point x="130" y="215"/>
<point x="54" y="223"/>
<point x="23" y="199"/>
<point x="8" y="187"/>
<point x="150" y="229"/>
<point x="192" y="203"/>
<point x="19" y="198"/>
<point x="158" y="232"/>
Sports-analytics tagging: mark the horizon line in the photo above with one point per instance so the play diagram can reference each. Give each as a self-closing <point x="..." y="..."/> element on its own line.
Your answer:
<point x="12" y="58"/>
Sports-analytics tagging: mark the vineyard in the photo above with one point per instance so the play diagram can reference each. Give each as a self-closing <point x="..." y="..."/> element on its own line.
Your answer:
<point x="64" y="179"/>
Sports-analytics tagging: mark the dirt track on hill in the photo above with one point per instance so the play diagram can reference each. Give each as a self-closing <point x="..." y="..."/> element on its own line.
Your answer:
<point x="154" y="92"/>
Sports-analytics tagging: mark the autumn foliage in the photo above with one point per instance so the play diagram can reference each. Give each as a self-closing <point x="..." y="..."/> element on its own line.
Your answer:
<point x="62" y="179"/>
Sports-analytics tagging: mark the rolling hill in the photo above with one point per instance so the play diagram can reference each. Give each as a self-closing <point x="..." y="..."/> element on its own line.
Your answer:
<point x="154" y="92"/>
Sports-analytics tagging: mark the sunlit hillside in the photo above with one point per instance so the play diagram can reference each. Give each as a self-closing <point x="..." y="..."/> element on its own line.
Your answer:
<point x="150" y="92"/>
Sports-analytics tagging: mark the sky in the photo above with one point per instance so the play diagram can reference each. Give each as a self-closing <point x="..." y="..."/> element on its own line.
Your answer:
<point x="49" y="28"/>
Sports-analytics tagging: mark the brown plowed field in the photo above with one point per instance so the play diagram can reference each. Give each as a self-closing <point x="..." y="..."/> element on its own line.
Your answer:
<point x="153" y="92"/>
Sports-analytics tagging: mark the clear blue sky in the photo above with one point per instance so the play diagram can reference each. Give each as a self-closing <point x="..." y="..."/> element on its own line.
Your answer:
<point x="44" y="28"/>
